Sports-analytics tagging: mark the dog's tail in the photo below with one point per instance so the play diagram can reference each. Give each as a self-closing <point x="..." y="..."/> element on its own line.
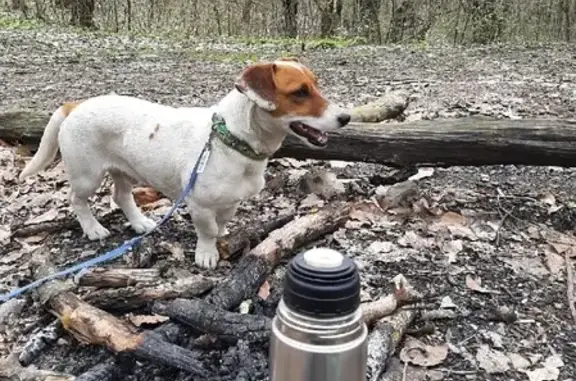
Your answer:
<point x="48" y="147"/>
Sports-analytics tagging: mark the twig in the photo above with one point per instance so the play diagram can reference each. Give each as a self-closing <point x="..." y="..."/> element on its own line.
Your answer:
<point x="403" y="294"/>
<point x="570" y="281"/>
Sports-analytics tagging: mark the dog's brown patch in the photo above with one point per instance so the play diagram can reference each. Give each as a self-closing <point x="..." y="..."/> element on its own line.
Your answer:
<point x="68" y="107"/>
<point x="292" y="87"/>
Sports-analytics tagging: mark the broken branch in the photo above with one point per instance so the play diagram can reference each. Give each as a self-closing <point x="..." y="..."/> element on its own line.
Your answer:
<point x="251" y="271"/>
<point x="239" y="242"/>
<point x="91" y="325"/>
<point x="102" y="277"/>
<point x="403" y="294"/>
<point x="384" y="339"/>
<point x="131" y="298"/>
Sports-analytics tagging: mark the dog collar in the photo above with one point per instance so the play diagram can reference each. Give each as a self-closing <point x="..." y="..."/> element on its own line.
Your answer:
<point x="221" y="131"/>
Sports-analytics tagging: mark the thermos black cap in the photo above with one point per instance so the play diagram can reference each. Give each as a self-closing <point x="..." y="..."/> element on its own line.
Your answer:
<point x="322" y="282"/>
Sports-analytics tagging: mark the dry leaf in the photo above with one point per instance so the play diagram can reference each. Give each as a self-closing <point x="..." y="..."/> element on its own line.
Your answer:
<point x="138" y="320"/>
<point x="549" y="372"/>
<point x="366" y="211"/>
<point x="455" y="223"/>
<point x="264" y="290"/>
<point x="175" y="249"/>
<point x="418" y="353"/>
<point x="548" y="198"/>
<point x="145" y="195"/>
<point x="518" y="361"/>
<point x="554" y="262"/>
<point x="5" y="234"/>
<point x="378" y="247"/>
<point x="476" y="285"/>
<point x="492" y="361"/>
<point x="50" y="215"/>
<point x="447" y="303"/>
<point x="452" y="248"/>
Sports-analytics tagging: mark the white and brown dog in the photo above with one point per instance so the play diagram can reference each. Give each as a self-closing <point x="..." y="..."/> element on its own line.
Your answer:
<point x="134" y="140"/>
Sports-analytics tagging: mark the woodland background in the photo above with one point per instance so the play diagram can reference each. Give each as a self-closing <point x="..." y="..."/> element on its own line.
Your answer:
<point x="362" y="21"/>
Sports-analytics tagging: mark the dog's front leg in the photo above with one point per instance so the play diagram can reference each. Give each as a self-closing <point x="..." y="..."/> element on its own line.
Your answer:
<point x="223" y="216"/>
<point x="206" y="230"/>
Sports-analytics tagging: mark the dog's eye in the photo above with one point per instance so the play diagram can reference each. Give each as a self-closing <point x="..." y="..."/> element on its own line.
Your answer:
<point x="301" y="93"/>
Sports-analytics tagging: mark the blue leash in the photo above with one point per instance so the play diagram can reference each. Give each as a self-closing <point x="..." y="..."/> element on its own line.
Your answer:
<point x="119" y="251"/>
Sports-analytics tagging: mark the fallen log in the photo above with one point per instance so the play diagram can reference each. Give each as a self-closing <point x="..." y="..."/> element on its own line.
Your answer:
<point x="91" y="325"/>
<point x="248" y="275"/>
<point x="469" y="141"/>
<point x="27" y="125"/>
<point x="132" y="298"/>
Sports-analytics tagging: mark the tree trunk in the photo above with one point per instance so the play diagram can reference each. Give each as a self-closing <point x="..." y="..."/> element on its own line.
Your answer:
<point x="82" y="13"/>
<point x="369" y="17"/>
<point x="290" y="18"/>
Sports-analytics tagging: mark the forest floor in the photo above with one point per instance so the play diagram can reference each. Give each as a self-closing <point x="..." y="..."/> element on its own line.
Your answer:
<point x="502" y="242"/>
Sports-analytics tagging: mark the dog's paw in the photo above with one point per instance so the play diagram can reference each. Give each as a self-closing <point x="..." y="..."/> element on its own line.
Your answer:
<point x="97" y="232"/>
<point x="207" y="259"/>
<point x="143" y="225"/>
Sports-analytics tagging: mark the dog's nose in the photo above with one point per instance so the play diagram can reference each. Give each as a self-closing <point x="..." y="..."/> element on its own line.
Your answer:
<point x="343" y="119"/>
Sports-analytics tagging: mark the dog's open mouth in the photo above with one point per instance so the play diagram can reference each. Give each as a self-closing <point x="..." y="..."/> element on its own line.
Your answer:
<point x="314" y="136"/>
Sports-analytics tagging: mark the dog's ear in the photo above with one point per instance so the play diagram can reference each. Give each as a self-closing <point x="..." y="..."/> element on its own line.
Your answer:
<point x="258" y="84"/>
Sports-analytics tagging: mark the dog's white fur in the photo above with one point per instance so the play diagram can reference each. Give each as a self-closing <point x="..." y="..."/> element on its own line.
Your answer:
<point x="135" y="140"/>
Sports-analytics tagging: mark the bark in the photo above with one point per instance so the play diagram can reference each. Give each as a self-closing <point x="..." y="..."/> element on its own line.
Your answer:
<point x="251" y="271"/>
<point x="383" y="341"/>
<point x="40" y="341"/>
<point x="290" y="17"/>
<point x="119" y="277"/>
<point x="132" y="298"/>
<point x="208" y="318"/>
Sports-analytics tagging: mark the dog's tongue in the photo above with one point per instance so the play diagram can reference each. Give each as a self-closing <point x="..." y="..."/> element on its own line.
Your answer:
<point x="313" y="135"/>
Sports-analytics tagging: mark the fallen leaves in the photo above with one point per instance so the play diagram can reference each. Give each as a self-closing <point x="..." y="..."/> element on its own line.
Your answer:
<point x="492" y="361"/>
<point x="549" y="372"/>
<point x="418" y="353"/>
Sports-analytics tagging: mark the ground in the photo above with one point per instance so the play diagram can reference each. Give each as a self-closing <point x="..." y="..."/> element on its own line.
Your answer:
<point x="508" y="227"/>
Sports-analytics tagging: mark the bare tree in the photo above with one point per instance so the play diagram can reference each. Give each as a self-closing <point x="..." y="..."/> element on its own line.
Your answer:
<point x="290" y="8"/>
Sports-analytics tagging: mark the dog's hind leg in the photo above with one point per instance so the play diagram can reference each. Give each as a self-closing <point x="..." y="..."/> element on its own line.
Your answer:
<point x="122" y="196"/>
<point x="81" y="188"/>
<point x="206" y="230"/>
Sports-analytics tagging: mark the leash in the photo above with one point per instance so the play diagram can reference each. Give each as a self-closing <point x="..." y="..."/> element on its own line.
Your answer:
<point x="82" y="267"/>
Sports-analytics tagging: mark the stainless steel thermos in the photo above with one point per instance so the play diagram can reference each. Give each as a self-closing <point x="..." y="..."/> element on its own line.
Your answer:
<point x="318" y="333"/>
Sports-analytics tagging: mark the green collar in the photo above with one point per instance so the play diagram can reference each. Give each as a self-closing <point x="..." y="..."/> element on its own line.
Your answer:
<point x="221" y="131"/>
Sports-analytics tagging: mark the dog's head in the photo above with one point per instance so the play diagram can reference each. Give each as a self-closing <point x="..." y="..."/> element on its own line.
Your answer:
<point x="288" y="91"/>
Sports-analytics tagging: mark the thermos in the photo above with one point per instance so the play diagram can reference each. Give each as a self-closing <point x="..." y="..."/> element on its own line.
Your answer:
<point x="318" y="333"/>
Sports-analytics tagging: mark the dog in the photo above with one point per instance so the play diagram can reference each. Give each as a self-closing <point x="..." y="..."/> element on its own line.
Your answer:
<point x="138" y="141"/>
